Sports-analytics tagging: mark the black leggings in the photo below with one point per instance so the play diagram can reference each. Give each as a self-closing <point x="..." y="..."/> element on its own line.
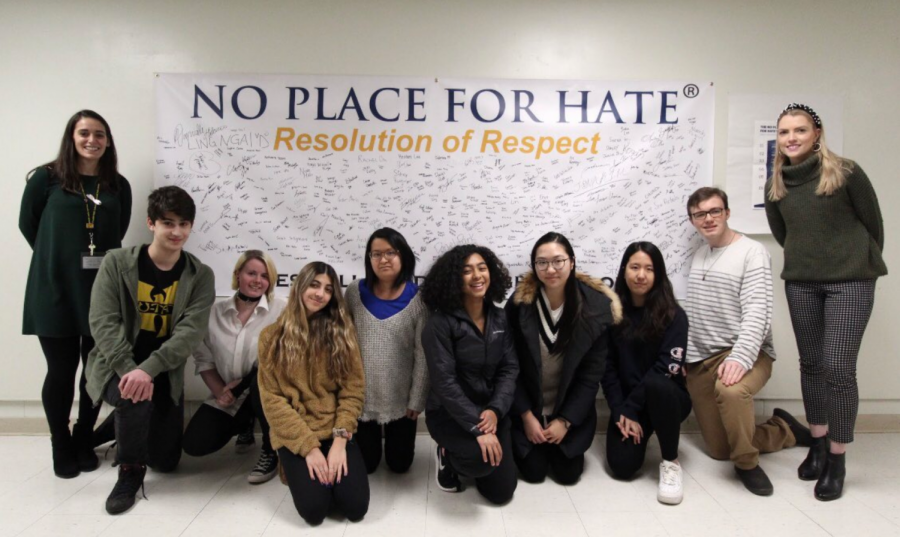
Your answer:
<point x="496" y="483"/>
<point x="148" y="432"/>
<point x="63" y="355"/>
<point x="399" y="443"/>
<point x="667" y="405"/>
<point x="210" y="428"/>
<point x="546" y="457"/>
<point x="313" y="499"/>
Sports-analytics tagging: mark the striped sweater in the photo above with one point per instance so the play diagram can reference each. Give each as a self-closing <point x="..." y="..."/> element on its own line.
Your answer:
<point x="732" y="307"/>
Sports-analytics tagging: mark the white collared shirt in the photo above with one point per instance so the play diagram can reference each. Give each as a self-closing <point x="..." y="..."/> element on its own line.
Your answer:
<point x="232" y="348"/>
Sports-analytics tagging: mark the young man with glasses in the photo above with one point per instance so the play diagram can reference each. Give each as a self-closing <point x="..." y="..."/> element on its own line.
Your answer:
<point x="730" y="353"/>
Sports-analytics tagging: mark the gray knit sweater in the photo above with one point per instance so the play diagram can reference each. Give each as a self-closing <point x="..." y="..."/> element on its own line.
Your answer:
<point x="396" y="373"/>
<point x="827" y="238"/>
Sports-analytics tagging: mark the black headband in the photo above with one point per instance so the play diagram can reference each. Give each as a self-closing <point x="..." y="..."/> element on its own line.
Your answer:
<point x="797" y="106"/>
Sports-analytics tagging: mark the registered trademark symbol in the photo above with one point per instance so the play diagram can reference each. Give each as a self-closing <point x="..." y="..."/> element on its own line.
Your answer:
<point x="690" y="91"/>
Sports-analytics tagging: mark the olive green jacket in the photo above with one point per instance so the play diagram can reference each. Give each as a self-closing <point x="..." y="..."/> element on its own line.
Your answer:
<point x="116" y="322"/>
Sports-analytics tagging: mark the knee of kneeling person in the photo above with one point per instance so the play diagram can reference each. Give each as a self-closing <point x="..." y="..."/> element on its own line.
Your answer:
<point x="398" y="465"/>
<point x="357" y="513"/>
<point x="500" y="497"/>
<point x="533" y="475"/>
<point x="623" y="471"/>
<point x="719" y="453"/>
<point x="313" y="515"/>
<point x="736" y="393"/>
<point x="567" y="477"/>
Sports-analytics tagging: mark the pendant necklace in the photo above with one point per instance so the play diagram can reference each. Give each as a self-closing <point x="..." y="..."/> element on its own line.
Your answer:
<point x="91" y="216"/>
<point x="706" y="270"/>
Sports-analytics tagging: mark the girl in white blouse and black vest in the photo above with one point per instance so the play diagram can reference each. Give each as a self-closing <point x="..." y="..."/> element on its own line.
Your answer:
<point x="227" y="363"/>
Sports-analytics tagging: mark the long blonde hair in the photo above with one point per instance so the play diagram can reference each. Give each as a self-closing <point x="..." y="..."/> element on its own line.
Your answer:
<point x="327" y="336"/>
<point x="833" y="168"/>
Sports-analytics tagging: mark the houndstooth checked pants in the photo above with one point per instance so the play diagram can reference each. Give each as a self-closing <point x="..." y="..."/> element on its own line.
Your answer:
<point x="829" y="320"/>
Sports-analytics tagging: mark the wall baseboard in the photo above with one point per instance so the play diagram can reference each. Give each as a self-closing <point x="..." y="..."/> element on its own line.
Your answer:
<point x="27" y="417"/>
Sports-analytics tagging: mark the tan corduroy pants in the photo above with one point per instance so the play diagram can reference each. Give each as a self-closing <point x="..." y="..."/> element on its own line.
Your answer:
<point x="726" y="416"/>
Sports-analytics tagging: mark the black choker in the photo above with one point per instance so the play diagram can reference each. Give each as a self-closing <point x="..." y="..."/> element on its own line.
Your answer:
<point x="241" y="296"/>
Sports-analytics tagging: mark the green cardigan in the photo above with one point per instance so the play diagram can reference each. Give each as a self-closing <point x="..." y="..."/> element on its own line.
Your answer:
<point x="827" y="238"/>
<point x="116" y="323"/>
<point x="58" y="290"/>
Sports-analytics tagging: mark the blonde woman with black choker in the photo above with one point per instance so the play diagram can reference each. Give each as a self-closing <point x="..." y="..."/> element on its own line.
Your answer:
<point x="311" y="383"/>
<point x="227" y="363"/>
<point x="823" y="210"/>
<point x="73" y="210"/>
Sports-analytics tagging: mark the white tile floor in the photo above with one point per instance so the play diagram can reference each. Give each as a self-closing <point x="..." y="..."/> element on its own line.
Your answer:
<point x="210" y="497"/>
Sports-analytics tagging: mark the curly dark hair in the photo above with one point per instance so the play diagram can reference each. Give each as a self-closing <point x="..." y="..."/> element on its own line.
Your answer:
<point x="172" y="199"/>
<point x="442" y="289"/>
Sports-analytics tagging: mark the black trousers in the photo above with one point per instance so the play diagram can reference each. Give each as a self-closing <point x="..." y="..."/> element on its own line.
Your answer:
<point x="63" y="355"/>
<point x="496" y="483"/>
<point x="210" y="428"/>
<point x="544" y="459"/>
<point x="667" y="405"/>
<point x="148" y="432"/>
<point x="399" y="443"/>
<point x="313" y="499"/>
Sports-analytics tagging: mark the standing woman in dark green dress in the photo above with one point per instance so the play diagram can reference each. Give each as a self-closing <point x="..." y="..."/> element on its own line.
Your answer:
<point x="74" y="209"/>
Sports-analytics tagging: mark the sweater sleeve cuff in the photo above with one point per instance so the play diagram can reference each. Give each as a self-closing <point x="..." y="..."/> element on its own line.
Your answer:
<point x="307" y="445"/>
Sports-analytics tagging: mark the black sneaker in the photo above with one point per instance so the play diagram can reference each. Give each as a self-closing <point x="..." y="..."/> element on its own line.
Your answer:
<point x="265" y="469"/>
<point x="246" y="440"/>
<point x="447" y="478"/>
<point x="131" y="480"/>
<point x="756" y="481"/>
<point x="800" y="431"/>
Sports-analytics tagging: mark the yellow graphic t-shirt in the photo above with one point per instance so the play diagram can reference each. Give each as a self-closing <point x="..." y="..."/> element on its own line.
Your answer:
<point x="156" y="294"/>
<point x="156" y="307"/>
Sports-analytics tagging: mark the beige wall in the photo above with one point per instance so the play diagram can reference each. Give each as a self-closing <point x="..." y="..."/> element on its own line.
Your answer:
<point x="58" y="57"/>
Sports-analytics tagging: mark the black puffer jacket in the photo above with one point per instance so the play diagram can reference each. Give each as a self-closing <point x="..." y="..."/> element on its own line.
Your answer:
<point x="470" y="371"/>
<point x="583" y="362"/>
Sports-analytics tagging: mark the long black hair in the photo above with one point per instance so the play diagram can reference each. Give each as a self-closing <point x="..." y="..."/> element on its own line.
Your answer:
<point x="659" y="305"/>
<point x="572" y="296"/>
<point x="407" y="258"/>
<point x="442" y="289"/>
<point x="65" y="167"/>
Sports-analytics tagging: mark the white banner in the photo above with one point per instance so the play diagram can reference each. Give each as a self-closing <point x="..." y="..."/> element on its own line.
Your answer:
<point x="306" y="167"/>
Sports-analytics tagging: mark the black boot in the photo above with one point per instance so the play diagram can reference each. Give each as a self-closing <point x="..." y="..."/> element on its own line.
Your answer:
<point x="830" y="485"/>
<point x="801" y="432"/>
<point x="106" y="432"/>
<point x="755" y="480"/>
<point x="65" y="463"/>
<point x="811" y="467"/>
<point x="82" y="437"/>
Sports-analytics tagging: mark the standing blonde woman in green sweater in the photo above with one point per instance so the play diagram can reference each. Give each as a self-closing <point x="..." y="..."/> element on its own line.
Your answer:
<point x="823" y="210"/>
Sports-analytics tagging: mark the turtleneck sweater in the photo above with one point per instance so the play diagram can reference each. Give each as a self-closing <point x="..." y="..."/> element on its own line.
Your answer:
<point x="827" y="238"/>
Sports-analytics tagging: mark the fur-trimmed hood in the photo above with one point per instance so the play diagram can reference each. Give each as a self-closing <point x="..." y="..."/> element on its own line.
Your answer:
<point x="527" y="290"/>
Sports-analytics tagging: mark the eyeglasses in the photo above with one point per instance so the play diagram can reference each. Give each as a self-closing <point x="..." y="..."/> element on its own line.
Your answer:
<point x="699" y="216"/>
<point x="389" y="255"/>
<point x="558" y="263"/>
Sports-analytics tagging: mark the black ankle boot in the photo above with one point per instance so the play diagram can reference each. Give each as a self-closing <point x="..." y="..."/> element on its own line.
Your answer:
<point x="82" y="437"/>
<point x="65" y="463"/>
<point x="830" y="485"/>
<point x="811" y="468"/>
<point x="106" y="432"/>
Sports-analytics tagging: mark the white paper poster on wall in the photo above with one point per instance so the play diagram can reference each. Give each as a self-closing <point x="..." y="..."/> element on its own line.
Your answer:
<point x="752" y="129"/>
<point x="306" y="167"/>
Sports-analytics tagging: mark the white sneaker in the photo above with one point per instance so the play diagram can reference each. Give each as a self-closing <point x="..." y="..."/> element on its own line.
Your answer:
<point x="671" y="487"/>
